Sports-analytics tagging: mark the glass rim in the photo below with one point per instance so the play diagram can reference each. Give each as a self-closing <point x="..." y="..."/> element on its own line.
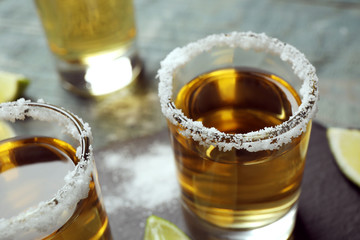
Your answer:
<point x="268" y="138"/>
<point x="77" y="181"/>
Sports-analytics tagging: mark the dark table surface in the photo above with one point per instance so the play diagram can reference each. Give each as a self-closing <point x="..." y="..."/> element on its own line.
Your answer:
<point x="130" y="136"/>
<point x="329" y="206"/>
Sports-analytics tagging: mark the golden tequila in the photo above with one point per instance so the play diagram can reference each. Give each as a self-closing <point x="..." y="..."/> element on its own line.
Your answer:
<point x="237" y="188"/>
<point x="93" y="42"/>
<point x="83" y="29"/>
<point x="32" y="170"/>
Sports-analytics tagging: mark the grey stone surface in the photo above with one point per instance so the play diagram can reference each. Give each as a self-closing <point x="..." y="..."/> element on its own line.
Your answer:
<point x="326" y="31"/>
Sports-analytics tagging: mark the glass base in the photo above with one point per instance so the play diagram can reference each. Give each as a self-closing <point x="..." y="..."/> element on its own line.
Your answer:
<point x="279" y="230"/>
<point x="99" y="77"/>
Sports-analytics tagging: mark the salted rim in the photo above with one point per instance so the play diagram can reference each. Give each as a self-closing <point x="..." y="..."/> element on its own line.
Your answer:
<point x="269" y="138"/>
<point x="45" y="216"/>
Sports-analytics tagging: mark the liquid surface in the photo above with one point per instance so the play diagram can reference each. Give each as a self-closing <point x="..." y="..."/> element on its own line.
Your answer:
<point x="27" y="173"/>
<point x="238" y="100"/>
<point x="33" y="170"/>
<point x="237" y="188"/>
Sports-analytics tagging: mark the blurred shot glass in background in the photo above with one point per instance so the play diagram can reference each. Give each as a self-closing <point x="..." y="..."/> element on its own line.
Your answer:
<point x="48" y="180"/>
<point x="93" y="42"/>
<point x="239" y="108"/>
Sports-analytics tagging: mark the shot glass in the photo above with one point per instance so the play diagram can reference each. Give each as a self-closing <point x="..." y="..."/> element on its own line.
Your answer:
<point x="93" y="43"/>
<point x="240" y="130"/>
<point x="48" y="179"/>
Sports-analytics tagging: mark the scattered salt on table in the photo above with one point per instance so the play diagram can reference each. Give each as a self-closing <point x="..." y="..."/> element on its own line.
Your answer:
<point x="146" y="180"/>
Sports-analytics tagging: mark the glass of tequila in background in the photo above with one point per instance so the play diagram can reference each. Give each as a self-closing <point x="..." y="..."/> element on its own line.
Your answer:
<point x="240" y="130"/>
<point x="93" y="42"/>
<point x="48" y="180"/>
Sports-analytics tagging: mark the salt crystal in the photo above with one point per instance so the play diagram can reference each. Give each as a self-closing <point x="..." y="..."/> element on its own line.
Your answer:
<point x="253" y="141"/>
<point x="46" y="216"/>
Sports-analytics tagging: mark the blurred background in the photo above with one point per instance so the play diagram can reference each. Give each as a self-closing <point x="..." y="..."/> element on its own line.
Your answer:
<point x="326" y="31"/>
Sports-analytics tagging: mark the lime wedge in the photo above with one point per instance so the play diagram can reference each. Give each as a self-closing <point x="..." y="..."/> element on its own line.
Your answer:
<point x="6" y="131"/>
<point x="12" y="86"/>
<point x="345" y="146"/>
<point x="158" y="228"/>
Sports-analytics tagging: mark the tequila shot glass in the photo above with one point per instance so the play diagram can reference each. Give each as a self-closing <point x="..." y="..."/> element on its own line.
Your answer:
<point x="93" y="43"/>
<point x="48" y="179"/>
<point x="239" y="108"/>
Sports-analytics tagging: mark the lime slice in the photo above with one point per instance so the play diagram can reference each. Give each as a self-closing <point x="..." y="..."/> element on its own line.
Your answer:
<point x="6" y="131"/>
<point x="158" y="228"/>
<point x="345" y="146"/>
<point x="12" y="86"/>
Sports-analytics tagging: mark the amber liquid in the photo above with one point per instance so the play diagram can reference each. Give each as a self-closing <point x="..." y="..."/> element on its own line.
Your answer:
<point x="33" y="170"/>
<point x="77" y="30"/>
<point x="237" y="188"/>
